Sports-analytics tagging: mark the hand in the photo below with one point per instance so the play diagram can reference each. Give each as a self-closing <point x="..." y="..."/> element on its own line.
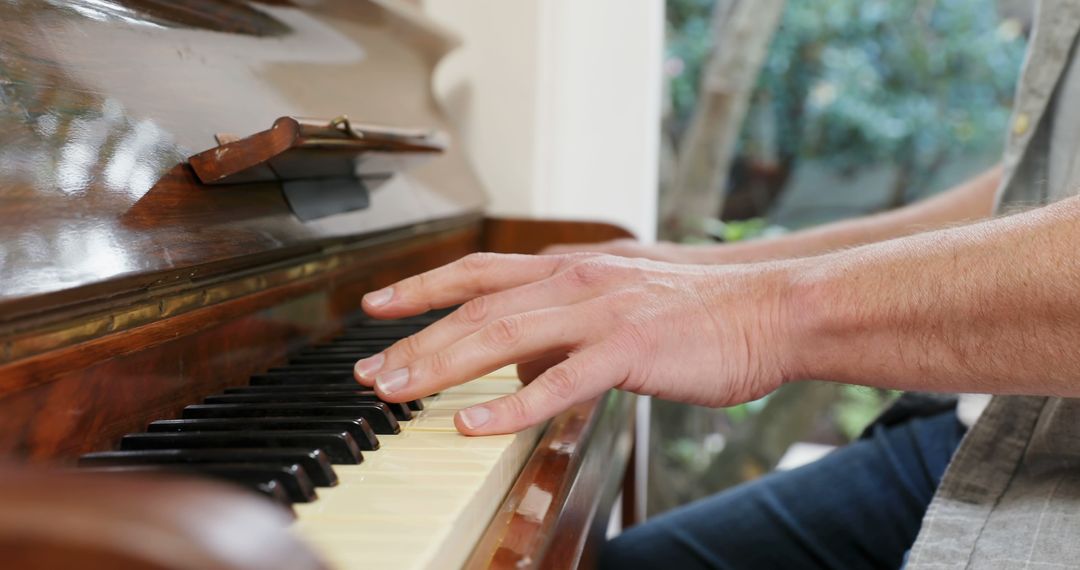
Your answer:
<point x="662" y="251"/>
<point x="668" y="252"/>
<point x="582" y="324"/>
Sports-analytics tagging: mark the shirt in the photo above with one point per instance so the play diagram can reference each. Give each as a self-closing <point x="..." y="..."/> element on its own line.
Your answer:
<point x="1011" y="495"/>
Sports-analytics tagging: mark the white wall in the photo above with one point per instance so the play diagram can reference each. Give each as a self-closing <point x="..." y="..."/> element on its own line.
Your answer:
<point x="559" y="104"/>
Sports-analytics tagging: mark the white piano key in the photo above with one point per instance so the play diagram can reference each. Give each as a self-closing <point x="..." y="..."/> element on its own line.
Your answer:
<point x="457" y="401"/>
<point x="494" y="386"/>
<point x="361" y="501"/>
<point x="443" y="440"/>
<point x="434" y="419"/>
<point x="504" y="372"/>
<point x="425" y="497"/>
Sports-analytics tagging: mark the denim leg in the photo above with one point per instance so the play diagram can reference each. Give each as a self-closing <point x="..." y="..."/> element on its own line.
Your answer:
<point x="858" y="507"/>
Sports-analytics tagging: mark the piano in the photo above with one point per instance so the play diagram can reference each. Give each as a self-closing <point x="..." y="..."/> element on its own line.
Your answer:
<point x="175" y="351"/>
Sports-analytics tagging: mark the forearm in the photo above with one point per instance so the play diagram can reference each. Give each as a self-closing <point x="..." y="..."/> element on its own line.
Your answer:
<point x="970" y="201"/>
<point x="991" y="307"/>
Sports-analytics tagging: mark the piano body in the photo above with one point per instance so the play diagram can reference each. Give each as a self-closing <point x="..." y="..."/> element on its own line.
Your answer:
<point x="130" y="291"/>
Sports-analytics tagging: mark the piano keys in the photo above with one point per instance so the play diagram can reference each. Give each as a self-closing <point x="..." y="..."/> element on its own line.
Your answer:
<point x="154" y="325"/>
<point x="424" y="475"/>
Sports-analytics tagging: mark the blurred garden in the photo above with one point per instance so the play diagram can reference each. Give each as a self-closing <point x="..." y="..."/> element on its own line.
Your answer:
<point x="847" y="107"/>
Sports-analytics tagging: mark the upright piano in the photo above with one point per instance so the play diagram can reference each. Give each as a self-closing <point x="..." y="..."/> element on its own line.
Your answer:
<point x="180" y="292"/>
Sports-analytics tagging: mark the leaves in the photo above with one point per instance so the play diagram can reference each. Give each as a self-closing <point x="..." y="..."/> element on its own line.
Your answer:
<point x="859" y="81"/>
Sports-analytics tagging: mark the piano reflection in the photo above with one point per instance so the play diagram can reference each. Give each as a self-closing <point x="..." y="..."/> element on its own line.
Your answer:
<point x="194" y="195"/>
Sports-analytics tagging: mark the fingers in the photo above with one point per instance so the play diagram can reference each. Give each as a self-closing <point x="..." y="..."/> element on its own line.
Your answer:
<point x="469" y="318"/>
<point x="582" y="377"/>
<point x="517" y="338"/>
<point x="469" y="277"/>
<point x="529" y="371"/>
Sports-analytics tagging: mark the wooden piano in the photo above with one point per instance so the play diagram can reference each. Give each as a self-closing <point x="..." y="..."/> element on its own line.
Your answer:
<point x="132" y="295"/>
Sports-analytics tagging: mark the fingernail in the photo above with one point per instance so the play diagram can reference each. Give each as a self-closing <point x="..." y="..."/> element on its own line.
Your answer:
<point x="392" y="381"/>
<point x="475" y="417"/>
<point x="365" y="367"/>
<point x="380" y="297"/>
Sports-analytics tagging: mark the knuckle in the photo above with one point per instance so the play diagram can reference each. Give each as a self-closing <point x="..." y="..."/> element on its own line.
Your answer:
<point x="560" y="383"/>
<point x="440" y="364"/>
<point x="417" y="287"/>
<point x="409" y="347"/>
<point x="418" y="281"/>
<point x="587" y="273"/>
<point x="572" y="257"/>
<point x="474" y="311"/>
<point x="516" y="408"/>
<point x="504" y="332"/>
<point x="478" y="261"/>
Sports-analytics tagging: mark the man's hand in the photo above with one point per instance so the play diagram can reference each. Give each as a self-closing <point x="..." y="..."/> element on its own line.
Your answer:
<point x="581" y="324"/>
<point x="666" y="252"/>
<point x="967" y="202"/>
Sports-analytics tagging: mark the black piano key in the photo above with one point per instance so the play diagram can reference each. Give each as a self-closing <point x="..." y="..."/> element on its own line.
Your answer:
<point x="338" y="447"/>
<point x="340" y="358"/>
<point x="316" y="388"/>
<point x="400" y="411"/>
<point x="275" y="492"/>
<point x="349" y="347"/>
<point x="379" y="333"/>
<point x="327" y="389"/>
<point x="314" y="461"/>
<point x="291" y="478"/>
<point x="406" y="323"/>
<point x="358" y="428"/>
<point x="377" y="414"/>
<point x="354" y="345"/>
<point x="334" y="368"/>
<point x="364" y="321"/>
<point x="346" y="359"/>
<point x="305" y="378"/>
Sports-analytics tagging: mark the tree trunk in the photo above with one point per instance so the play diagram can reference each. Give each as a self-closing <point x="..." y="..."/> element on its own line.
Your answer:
<point x="743" y="30"/>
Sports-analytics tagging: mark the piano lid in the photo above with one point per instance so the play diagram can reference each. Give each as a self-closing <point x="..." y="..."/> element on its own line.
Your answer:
<point x="102" y="101"/>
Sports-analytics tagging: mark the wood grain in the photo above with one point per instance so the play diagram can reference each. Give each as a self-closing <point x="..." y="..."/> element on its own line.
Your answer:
<point x="83" y="398"/>
<point x="66" y="520"/>
<point x="518" y="235"/>
<point x="556" y="513"/>
<point x="131" y="290"/>
<point x="98" y="122"/>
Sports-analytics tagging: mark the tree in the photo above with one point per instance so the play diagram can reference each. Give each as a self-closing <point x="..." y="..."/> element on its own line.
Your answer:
<point x="915" y="83"/>
<point x="741" y="30"/>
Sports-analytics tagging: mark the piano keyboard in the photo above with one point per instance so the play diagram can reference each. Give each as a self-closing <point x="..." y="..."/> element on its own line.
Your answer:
<point x="370" y="482"/>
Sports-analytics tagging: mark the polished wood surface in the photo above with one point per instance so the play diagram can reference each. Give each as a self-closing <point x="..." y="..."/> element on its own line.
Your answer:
<point x="517" y="235"/>
<point x="309" y="149"/>
<point x="556" y="514"/>
<point x="128" y="289"/>
<point x="81" y="398"/>
<point x="52" y="520"/>
<point x="104" y="99"/>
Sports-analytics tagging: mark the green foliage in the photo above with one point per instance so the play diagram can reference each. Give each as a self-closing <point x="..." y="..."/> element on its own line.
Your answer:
<point x="738" y="230"/>
<point x="853" y="82"/>
<point x="887" y="79"/>
<point x="858" y="406"/>
<point x="689" y="39"/>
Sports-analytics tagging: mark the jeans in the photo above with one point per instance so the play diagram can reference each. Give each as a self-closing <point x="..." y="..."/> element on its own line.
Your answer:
<point x="858" y="507"/>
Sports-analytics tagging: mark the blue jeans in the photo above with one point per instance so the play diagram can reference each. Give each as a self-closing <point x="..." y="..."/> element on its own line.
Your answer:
<point x="858" y="507"/>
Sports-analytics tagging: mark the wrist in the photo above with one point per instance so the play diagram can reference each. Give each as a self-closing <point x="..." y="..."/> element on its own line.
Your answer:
<point x="812" y="312"/>
<point x="768" y="304"/>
